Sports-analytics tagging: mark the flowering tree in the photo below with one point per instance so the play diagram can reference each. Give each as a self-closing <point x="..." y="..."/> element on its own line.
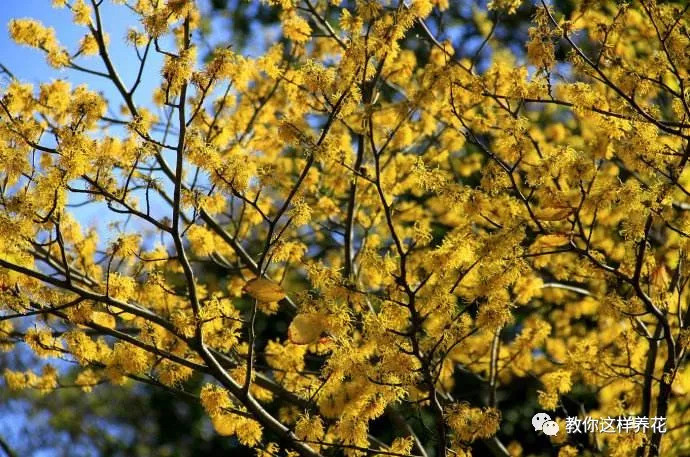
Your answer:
<point x="415" y="214"/>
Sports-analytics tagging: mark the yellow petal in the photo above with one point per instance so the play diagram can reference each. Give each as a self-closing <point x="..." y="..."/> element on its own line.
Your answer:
<point x="306" y="329"/>
<point x="660" y="278"/>
<point x="553" y="240"/>
<point x="553" y="214"/>
<point x="103" y="319"/>
<point x="264" y="290"/>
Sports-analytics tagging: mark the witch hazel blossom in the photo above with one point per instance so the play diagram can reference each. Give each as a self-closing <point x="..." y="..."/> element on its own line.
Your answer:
<point x="326" y="244"/>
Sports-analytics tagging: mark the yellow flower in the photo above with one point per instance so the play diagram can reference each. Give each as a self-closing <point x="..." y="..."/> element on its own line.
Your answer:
<point x="214" y="399"/>
<point x="510" y="6"/>
<point x="82" y="12"/>
<point x="471" y="423"/>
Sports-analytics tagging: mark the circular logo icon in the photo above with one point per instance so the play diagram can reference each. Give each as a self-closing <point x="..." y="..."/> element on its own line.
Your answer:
<point x="539" y="419"/>
<point x="550" y="428"/>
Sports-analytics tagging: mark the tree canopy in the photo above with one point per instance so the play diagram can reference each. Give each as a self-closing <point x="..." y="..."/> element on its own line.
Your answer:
<point x="390" y="234"/>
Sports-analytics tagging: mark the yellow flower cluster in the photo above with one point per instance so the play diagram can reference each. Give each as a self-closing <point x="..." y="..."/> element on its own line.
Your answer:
<point x="32" y="33"/>
<point x="408" y="215"/>
<point x="470" y="423"/>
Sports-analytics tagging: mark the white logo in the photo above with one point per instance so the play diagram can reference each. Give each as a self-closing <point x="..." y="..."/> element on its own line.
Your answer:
<point x="538" y="420"/>
<point x="542" y="422"/>
<point x="550" y="428"/>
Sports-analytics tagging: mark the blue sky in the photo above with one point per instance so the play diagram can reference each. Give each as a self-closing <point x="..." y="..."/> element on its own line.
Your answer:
<point x="29" y="65"/>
